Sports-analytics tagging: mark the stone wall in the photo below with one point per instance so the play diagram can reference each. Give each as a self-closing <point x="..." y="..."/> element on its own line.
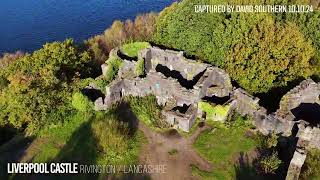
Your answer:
<point x="212" y="81"/>
<point x="174" y="61"/>
<point x="306" y="92"/>
<point x="215" y="82"/>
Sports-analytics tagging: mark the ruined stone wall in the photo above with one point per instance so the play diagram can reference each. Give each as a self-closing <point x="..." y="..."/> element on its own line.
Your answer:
<point x="245" y="103"/>
<point x="181" y="121"/>
<point x="215" y="82"/>
<point x="306" y="92"/>
<point x="174" y="61"/>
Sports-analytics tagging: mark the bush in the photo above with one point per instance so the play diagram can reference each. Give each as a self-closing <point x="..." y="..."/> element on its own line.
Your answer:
<point x="3" y="82"/>
<point x="147" y="110"/>
<point x="271" y="55"/>
<point x="116" y="142"/>
<point x="266" y="50"/>
<point x="111" y="134"/>
<point x="270" y="164"/>
<point x="81" y="102"/>
<point x="310" y="169"/>
<point x="269" y="142"/>
<point x="7" y="58"/>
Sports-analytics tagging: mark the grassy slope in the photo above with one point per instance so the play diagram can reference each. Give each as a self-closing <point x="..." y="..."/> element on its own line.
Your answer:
<point x="220" y="146"/>
<point x="74" y="142"/>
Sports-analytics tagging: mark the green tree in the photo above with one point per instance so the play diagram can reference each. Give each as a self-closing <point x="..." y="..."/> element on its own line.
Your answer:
<point x="259" y="50"/>
<point x="270" y="55"/>
<point x="41" y="85"/>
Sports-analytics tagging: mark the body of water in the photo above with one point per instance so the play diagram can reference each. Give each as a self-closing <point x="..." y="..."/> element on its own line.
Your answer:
<point x="27" y="24"/>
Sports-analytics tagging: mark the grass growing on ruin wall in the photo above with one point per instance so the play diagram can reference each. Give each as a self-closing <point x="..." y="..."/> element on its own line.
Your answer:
<point x="114" y="63"/>
<point x="214" y="112"/>
<point x="139" y="69"/>
<point x="147" y="110"/>
<point x="220" y="146"/>
<point x="132" y="49"/>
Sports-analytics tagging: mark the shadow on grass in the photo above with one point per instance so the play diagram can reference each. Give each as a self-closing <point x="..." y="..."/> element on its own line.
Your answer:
<point x="244" y="169"/>
<point x="82" y="148"/>
<point x="13" y="151"/>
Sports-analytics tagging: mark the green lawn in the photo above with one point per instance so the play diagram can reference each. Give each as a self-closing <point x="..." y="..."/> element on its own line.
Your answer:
<point x="220" y="146"/>
<point x="132" y="49"/>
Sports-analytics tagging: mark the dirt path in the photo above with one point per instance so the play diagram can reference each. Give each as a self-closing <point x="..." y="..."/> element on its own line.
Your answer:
<point x="178" y="163"/>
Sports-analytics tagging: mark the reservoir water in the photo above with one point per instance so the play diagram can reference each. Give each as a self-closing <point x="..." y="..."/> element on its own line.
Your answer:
<point x="27" y="24"/>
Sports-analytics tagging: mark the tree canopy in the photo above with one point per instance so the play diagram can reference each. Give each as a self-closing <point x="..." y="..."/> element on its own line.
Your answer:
<point x="259" y="50"/>
<point x="40" y="85"/>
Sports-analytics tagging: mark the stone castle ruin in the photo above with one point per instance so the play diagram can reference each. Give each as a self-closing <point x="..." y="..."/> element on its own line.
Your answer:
<point x="179" y="84"/>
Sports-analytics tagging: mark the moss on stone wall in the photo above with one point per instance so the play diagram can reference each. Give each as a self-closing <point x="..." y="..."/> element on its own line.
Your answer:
<point x="214" y="112"/>
<point x="132" y="49"/>
<point x="139" y="69"/>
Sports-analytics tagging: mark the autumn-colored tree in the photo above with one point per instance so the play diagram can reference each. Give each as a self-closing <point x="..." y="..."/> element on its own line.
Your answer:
<point x="8" y="58"/>
<point x="141" y="29"/>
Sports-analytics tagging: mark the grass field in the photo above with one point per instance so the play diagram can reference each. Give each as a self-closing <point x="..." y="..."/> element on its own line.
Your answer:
<point x="224" y="146"/>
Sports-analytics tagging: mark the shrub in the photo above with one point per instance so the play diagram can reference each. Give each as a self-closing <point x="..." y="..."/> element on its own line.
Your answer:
<point x="310" y="169"/>
<point x="132" y="49"/>
<point x="81" y="102"/>
<point x="97" y="46"/>
<point x="111" y="134"/>
<point x="270" y="164"/>
<point x="270" y="56"/>
<point x="7" y="58"/>
<point x="41" y="84"/>
<point x="147" y="110"/>
<point x="3" y="82"/>
<point x="268" y="142"/>
<point x="115" y="35"/>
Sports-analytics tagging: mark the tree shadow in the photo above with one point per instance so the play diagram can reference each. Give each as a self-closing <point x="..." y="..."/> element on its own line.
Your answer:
<point x="82" y="148"/>
<point x="309" y="112"/>
<point x="12" y="151"/>
<point x="244" y="169"/>
<point x="125" y="114"/>
<point x="271" y="99"/>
